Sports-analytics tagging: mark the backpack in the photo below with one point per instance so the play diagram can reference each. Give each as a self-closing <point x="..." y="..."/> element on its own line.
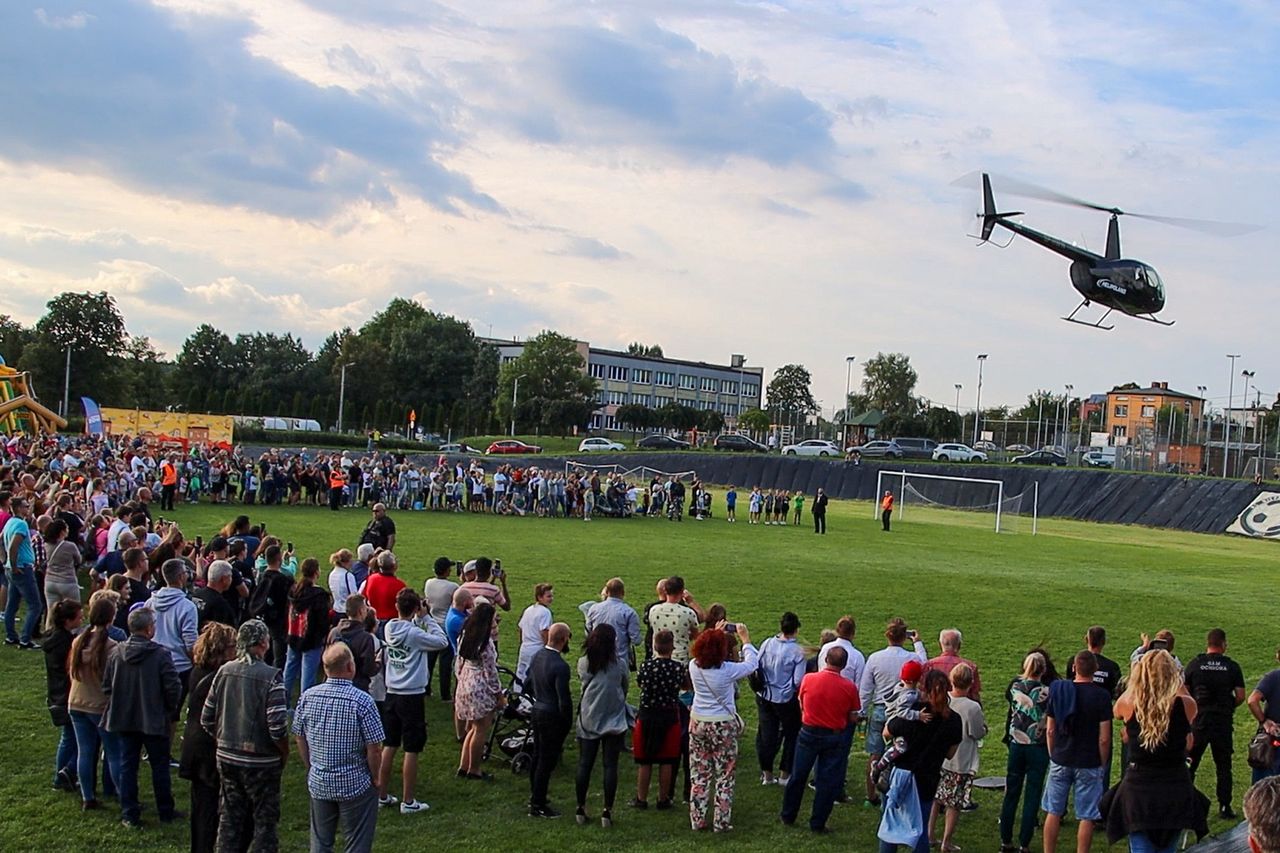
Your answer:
<point x="370" y="535"/>
<point x="756" y="680"/>
<point x="296" y="627"/>
<point x="260" y="600"/>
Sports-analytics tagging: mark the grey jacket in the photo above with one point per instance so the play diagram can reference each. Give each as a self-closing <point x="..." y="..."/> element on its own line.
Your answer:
<point x="142" y="688"/>
<point x="246" y="713"/>
<point x="603" y="709"/>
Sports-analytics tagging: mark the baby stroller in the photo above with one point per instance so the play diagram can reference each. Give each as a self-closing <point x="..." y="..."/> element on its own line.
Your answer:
<point x="512" y="732"/>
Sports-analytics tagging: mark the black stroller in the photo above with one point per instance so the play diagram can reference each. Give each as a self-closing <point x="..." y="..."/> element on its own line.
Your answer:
<point x="512" y="732"/>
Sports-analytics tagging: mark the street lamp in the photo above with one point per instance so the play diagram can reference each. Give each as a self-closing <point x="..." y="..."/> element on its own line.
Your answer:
<point x="1066" y="415"/>
<point x="1244" y="402"/>
<point x="1226" y="435"/>
<point x="977" y="406"/>
<point x="848" y="388"/>
<point x="1202" y="390"/>
<point x="342" y="393"/>
<point x="515" y="396"/>
<point x="960" y="416"/>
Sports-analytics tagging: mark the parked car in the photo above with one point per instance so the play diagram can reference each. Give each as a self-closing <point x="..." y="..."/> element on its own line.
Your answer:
<point x="458" y="447"/>
<point x="511" y="445"/>
<point x="958" y="453"/>
<point x="1097" y="459"/>
<point x="811" y="447"/>
<point x="986" y="446"/>
<point x="598" y="443"/>
<point x="1040" y="457"/>
<point x="661" y="442"/>
<point x="1018" y="448"/>
<point x="917" y="448"/>
<point x="738" y="442"/>
<point x="888" y="449"/>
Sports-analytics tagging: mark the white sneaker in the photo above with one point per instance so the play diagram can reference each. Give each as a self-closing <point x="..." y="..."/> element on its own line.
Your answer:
<point x="413" y="807"/>
<point x="387" y="802"/>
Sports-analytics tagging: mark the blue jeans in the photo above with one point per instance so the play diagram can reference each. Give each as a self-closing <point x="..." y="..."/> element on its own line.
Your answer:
<point x="1139" y="842"/>
<point x="922" y="843"/>
<point x="824" y="751"/>
<point x="22" y="587"/>
<point x="66" y="755"/>
<point x="157" y="746"/>
<point x="89" y="738"/>
<point x="306" y="662"/>
<point x="1086" y="782"/>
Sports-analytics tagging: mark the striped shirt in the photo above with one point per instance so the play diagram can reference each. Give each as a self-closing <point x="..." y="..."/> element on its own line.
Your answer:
<point x="338" y="721"/>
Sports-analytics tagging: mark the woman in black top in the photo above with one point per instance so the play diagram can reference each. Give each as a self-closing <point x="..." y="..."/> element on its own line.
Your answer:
<point x="1156" y="799"/>
<point x="66" y="618"/>
<point x="931" y="743"/>
<point x="215" y="646"/>
<point x="657" y="735"/>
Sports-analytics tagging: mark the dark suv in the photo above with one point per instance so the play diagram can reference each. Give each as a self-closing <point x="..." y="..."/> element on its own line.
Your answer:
<point x="738" y="442"/>
<point x="917" y="448"/>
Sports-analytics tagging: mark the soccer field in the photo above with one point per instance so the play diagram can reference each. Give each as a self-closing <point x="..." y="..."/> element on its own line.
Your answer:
<point x="937" y="569"/>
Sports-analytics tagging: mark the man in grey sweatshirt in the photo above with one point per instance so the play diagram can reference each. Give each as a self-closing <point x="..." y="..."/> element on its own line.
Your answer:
<point x="408" y="639"/>
<point x="176" y="618"/>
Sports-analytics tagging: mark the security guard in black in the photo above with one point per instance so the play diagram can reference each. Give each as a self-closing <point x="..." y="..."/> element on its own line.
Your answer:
<point x="1216" y="682"/>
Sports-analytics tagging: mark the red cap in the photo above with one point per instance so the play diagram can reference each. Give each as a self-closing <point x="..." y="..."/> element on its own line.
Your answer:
<point x="911" y="671"/>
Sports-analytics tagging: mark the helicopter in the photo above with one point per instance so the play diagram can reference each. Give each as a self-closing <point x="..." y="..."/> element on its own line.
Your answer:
<point x="1121" y="284"/>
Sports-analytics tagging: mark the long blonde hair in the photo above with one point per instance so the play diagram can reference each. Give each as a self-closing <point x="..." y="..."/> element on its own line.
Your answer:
<point x="1154" y="683"/>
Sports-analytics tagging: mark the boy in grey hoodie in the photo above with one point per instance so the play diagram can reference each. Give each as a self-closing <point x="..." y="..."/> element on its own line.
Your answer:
<point x="408" y="639"/>
<point x="176" y="618"/>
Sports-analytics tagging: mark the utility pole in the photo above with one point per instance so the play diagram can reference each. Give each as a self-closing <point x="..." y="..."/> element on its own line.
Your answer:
<point x="977" y="406"/>
<point x="958" y="387"/>
<point x="342" y="393"/>
<point x="66" y="384"/>
<point x="1226" y="435"/>
<point x="848" y="389"/>
<point x="1244" y="422"/>
<point x="515" y="396"/>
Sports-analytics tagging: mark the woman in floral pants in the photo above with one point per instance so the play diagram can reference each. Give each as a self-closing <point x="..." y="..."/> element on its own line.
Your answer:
<point x="714" y="722"/>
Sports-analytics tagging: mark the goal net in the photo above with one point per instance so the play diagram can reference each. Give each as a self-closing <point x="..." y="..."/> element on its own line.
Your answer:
<point x="935" y="492"/>
<point x="641" y="473"/>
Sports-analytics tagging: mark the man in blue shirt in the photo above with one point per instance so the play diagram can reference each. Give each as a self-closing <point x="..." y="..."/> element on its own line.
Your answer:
<point x="339" y="737"/>
<point x="613" y="610"/>
<point x="20" y="568"/>
<point x="462" y="600"/>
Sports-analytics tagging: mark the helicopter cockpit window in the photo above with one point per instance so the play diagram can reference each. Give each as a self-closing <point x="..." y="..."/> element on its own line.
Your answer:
<point x="1153" y="278"/>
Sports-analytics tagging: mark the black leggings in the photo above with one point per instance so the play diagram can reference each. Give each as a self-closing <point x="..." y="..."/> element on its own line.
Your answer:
<point x="587" y="749"/>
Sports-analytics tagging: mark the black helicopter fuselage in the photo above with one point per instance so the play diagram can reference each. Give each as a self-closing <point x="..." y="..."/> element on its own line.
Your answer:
<point x="1125" y="285"/>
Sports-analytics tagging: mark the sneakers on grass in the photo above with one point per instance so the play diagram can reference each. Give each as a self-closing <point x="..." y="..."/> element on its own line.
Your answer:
<point x="413" y="807"/>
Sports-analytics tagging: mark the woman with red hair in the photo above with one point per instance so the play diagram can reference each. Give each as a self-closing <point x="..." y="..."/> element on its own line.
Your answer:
<point x="714" y="722"/>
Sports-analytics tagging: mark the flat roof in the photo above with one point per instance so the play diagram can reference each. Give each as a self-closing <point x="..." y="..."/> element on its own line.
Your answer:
<point x="650" y="358"/>
<point x="1155" y="392"/>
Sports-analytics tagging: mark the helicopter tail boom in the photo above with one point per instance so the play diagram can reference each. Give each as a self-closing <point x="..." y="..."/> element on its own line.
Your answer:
<point x="989" y="214"/>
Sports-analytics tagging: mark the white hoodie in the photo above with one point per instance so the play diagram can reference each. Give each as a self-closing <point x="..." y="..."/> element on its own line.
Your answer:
<point x="405" y="654"/>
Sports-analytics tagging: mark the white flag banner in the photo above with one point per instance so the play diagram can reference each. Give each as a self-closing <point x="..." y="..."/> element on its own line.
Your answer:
<point x="1261" y="518"/>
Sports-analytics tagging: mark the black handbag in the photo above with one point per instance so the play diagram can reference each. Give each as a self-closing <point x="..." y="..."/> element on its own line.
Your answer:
<point x="1262" y="750"/>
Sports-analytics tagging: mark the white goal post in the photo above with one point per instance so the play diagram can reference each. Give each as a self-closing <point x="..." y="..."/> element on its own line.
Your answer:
<point x="1001" y="506"/>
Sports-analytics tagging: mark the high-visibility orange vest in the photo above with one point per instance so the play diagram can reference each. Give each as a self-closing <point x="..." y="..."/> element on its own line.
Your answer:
<point x="337" y="479"/>
<point x="887" y="503"/>
<point x="168" y="474"/>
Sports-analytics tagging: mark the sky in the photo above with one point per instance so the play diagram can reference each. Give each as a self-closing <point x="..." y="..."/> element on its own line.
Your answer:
<point x="771" y="179"/>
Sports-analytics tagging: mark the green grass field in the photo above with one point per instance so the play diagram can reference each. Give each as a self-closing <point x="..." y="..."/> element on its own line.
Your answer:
<point x="938" y="569"/>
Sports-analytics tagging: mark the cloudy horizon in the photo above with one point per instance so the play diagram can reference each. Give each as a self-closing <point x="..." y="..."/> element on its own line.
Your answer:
<point x="762" y="178"/>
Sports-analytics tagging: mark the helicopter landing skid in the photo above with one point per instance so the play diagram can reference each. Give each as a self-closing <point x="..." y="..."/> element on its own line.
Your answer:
<point x="1151" y="319"/>
<point x="1071" y="318"/>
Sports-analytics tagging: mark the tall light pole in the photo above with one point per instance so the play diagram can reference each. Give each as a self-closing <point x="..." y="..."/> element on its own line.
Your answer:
<point x="342" y="393"/>
<point x="515" y="397"/>
<point x="1202" y="390"/>
<point x="1244" y="402"/>
<point x="1066" y="417"/>
<point x="977" y="405"/>
<point x="1226" y="426"/>
<point x="848" y="389"/>
<point x="66" y="384"/>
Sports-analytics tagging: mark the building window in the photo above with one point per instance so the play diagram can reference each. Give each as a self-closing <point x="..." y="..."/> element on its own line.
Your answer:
<point x="507" y="359"/>
<point x="664" y="379"/>
<point x="610" y="422"/>
<point x="640" y="399"/>
<point x="709" y="384"/>
<point x="596" y="370"/>
<point x="618" y="373"/>
<point x="688" y="381"/>
<point x="602" y="397"/>
<point x="729" y="386"/>
<point x="617" y="398"/>
<point x="1148" y="411"/>
<point x="642" y="377"/>
<point x="1122" y="411"/>
<point x="595" y="421"/>
<point x="750" y="390"/>
<point x="1120" y="432"/>
<point x="660" y="400"/>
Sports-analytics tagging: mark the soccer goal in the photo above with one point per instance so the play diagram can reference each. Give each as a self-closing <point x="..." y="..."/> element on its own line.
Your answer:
<point x="965" y="494"/>
<point x="645" y="473"/>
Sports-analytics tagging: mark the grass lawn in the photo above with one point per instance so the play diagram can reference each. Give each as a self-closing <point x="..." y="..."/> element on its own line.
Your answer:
<point x="1007" y="592"/>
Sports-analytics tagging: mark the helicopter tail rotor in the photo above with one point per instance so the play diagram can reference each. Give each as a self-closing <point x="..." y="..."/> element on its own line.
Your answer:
<point x="990" y="216"/>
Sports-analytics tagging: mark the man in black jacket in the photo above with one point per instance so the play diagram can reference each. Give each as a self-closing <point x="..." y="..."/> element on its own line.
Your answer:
<point x="819" y="512"/>
<point x="145" y="693"/>
<point x="548" y="685"/>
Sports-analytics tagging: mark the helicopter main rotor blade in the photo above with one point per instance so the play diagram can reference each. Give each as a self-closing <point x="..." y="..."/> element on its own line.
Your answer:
<point x="1013" y="186"/>
<point x="1205" y="226"/>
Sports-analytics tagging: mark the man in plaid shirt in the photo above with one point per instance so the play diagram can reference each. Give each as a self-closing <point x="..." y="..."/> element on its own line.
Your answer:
<point x="339" y="736"/>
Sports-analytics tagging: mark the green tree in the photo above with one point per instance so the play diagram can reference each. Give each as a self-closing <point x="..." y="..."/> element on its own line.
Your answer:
<point x="710" y="420"/>
<point x="555" y="392"/>
<point x="941" y="424"/>
<point x="754" y="420"/>
<point x="788" y="392"/>
<point x="91" y="326"/>
<point x="679" y="416"/>
<point x="644" y="350"/>
<point x="635" y="416"/>
<point x="1040" y="403"/>
<point x="205" y="360"/>
<point x="14" y="338"/>
<point x="143" y="374"/>
<point x="888" y="384"/>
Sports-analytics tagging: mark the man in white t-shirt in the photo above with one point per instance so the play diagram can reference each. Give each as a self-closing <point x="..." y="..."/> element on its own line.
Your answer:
<point x="846" y="627"/>
<point x="535" y="622"/>
<point x="438" y="593"/>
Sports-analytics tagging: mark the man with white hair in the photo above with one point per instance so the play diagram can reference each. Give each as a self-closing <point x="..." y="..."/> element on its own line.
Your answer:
<point x="211" y="599"/>
<point x="360" y="568"/>
<point x="949" y="639"/>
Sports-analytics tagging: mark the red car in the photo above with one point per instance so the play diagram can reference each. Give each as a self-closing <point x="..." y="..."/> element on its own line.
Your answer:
<point x="511" y="445"/>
